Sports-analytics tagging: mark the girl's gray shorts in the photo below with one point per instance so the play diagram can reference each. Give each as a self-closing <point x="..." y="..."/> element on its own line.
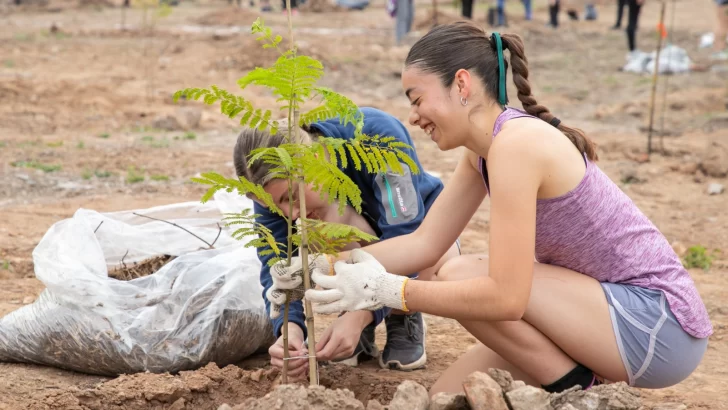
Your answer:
<point x="655" y="349"/>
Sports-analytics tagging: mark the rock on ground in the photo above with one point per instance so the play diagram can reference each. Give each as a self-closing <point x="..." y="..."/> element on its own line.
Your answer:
<point x="449" y="401"/>
<point x="505" y="380"/>
<point x="296" y="397"/>
<point x="483" y="392"/>
<point x="529" y="398"/>
<point x="495" y="390"/>
<point x="714" y="161"/>
<point x="615" y="396"/>
<point x="410" y="396"/>
<point x="374" y="404"/>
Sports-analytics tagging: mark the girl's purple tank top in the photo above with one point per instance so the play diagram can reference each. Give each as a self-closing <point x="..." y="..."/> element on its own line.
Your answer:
<point x="597" y="230"/>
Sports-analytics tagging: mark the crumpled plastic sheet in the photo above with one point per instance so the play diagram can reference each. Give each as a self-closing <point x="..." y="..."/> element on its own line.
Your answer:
<point x="203" y="306"/>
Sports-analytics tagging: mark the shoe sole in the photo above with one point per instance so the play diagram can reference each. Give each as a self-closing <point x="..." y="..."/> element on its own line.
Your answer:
<point x="419" y="363"/>
<point x="353" y="361"/>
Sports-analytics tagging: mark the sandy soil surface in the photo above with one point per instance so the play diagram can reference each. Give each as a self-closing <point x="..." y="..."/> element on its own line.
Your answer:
<point x="87" y="112"/>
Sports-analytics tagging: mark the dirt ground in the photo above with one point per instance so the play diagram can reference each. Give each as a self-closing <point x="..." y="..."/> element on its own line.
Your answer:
<point x="87" y="121"/>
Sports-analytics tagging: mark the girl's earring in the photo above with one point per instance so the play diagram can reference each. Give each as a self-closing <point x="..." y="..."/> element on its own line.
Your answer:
<point x="463" y="101"/>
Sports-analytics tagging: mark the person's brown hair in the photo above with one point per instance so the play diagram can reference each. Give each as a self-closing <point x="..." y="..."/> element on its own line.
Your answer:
<point x="462" y="45"/>
<point x="250" y="139"/>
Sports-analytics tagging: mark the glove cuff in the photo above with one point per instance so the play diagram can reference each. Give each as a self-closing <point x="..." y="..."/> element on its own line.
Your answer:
<point x="391" y="291"/>
<point x="324" y="263"/>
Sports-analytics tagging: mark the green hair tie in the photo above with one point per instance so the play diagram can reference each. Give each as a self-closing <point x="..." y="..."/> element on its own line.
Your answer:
<point x="502" y="97"/>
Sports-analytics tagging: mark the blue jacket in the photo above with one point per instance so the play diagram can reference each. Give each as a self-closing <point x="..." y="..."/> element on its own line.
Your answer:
<point x="393" y="204"/>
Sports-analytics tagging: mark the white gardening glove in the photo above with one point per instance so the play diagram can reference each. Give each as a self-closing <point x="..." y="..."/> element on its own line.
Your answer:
<point x="277" y="299"/>
<point x="291" y="278"/>
<point x="361" y="284"/>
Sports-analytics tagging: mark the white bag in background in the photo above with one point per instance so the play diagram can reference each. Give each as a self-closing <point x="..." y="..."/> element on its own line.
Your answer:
<point x="673" y="60"/>
<point x="203" y="306"/>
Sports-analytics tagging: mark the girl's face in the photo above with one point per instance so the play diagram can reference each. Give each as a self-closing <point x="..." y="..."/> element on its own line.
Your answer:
<point x="436" y="109"/>
<point x="316" y="207"/>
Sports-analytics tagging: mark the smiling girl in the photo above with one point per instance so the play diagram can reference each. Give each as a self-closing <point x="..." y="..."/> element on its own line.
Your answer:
<point x="607" y="297"/>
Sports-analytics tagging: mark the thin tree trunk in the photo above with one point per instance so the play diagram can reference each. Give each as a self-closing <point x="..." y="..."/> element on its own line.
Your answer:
<point x="312" y="364"/>
<point x="654" y="79"/>
<point x="287" y="306"/>
<point x="286" y="353"/>
<point x="303" y="250"/>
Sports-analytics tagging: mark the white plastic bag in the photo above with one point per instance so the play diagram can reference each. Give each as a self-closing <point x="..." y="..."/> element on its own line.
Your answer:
<point x="673" y="60"/>
<point x="205" y="305"/>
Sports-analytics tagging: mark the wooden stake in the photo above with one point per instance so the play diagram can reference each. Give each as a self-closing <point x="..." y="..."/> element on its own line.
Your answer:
<point x="286" y="352"/>
<point x="303" y="250"/>
<point x="666" y="85"/>
<point x="310" y="325"/>
<point x="654" y="79"/>
<point x="312" y="364"/>
<point x="289" y="249"/>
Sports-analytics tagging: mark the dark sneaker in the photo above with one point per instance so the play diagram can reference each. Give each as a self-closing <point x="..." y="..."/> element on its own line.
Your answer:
<point x="405" y="348"/>
<point x="365" y="350"/>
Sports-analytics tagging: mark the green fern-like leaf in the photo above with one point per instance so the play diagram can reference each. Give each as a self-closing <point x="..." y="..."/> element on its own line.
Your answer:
<point x="334" y="147"/>
<point x="248" y="228"/>
<point x="332" y="155"/>
<point x="409" y="161"/>
<point x="326" y="178"/>
<point x="266" y="34"/>
<point x="291" y="79"/>
<point x="377" y="153"/>
<point x="382" y="153"/>
<point x="281" y="157"/>
<point x="318" y="114"/>
<point x="334" y="105"/>
<point x="231" y="105"/>
<point x="272" y="261"/>
<point x="339" y="106"/>
<point x="242" y="185"/>
<point x="330" y="237"/>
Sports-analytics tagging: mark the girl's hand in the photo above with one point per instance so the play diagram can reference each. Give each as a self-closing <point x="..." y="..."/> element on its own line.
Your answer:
<point x="297" y="368"/>
<point x="340" y="340"/>
<point x="362" y="284"/>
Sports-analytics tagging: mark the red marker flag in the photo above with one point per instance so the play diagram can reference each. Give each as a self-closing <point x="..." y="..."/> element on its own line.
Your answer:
<point x="662" y="30"/>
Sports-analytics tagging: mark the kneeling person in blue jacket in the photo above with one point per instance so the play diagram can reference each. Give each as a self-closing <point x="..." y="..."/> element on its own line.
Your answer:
<point x="392" y="205"/>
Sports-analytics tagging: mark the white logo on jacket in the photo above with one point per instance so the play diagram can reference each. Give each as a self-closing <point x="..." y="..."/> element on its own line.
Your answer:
<point x="400" y="200"/>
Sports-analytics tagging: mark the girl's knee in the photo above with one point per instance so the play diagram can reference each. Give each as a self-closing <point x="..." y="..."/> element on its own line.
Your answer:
<point x="449" y="270"/>
<point x="462" y="267"/>
<point x="431" y="272"/>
